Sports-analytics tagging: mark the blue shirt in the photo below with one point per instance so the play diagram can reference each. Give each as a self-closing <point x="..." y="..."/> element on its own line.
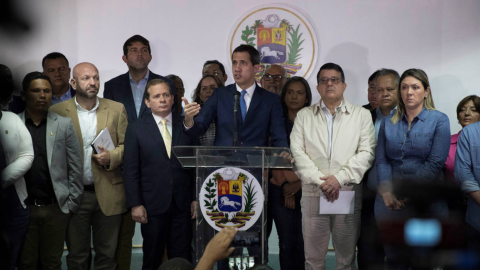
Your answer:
<point x="467" y="168"/>
<point x="417" y="154"/>
<point x="138" y="89"/>
<point x="66" y="96"/>
<point x="378" y="120"/>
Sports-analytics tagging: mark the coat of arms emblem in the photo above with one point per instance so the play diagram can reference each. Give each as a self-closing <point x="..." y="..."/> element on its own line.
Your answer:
<point x="281" y="35"/>
<point x="231" y="197"/>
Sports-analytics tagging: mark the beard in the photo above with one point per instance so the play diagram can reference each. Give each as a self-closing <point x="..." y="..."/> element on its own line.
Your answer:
<point x="273" y="88"/>
<point x="85" y="92"/>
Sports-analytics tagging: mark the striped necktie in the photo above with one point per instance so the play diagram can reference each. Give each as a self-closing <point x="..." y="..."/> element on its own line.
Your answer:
<point x="167" y="138"/>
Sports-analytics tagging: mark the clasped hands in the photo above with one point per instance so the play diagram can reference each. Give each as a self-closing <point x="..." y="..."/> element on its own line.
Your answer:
<point x="330" y="187"/>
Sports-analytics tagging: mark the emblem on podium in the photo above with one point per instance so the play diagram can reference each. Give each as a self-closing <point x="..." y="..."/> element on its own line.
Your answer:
<point x="231" y="197"/>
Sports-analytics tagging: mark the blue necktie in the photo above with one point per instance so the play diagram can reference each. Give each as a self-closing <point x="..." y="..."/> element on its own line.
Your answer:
<point x="243" y="104"/>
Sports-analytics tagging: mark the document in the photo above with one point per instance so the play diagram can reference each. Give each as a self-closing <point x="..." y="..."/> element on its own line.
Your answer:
<point x="104" y="139"/>
<point x="344" y="205"/>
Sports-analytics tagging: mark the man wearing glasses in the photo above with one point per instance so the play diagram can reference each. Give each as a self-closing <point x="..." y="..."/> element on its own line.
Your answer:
<point x="274" y="78"/>
<point x="215" y="68"/>
<point x="333" y="144"/>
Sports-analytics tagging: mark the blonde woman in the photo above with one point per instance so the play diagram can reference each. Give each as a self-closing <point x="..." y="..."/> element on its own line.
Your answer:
<point x="412" y="145"/>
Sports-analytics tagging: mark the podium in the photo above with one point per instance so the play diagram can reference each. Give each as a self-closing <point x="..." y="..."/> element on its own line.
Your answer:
<point x="232" y="191"/>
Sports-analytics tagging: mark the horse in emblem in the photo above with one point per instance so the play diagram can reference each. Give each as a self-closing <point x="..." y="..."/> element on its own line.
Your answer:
<point x="266" y="51"/>
<point x="226" y="202"/>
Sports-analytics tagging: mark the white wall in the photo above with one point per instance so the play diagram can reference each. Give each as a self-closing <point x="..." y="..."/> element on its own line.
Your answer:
<point x="440" y="36"/>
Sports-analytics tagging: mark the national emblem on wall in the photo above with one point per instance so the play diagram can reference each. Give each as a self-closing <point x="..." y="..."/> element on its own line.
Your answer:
<point x="282" y="36"/>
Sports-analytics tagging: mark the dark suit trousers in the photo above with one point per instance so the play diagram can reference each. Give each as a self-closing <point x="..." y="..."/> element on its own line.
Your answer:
<point x="123" y="256"/>
<point x="45" y="236"/>
<point x="88" y="218"/>
<point x="370" y="255"/>
<point x="172" y="228"/>
<point x="13" y="226"/>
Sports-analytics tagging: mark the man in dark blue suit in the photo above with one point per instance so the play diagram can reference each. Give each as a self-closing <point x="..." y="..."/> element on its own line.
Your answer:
<point x="259" y="118"/>
<point x="159" y="191"/>
<point x="129" y="89"/>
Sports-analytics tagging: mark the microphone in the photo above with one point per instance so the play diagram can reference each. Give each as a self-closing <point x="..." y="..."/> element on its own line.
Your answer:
<point x="236" y="102"/>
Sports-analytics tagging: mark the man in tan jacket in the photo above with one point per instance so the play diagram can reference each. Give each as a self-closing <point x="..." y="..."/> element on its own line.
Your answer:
<point x="333" y="144"/>
<point x="104" y="194"/>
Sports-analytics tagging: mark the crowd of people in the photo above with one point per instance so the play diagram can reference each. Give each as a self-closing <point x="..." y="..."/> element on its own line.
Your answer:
<point x="56" y="188"/>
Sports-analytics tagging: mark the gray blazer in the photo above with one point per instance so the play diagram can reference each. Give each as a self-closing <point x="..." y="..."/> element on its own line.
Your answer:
<point x="64" y="161"/>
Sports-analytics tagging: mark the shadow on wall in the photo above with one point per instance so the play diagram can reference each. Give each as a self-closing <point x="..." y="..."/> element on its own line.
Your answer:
<point x="354" y="62"/>
<point x="453" y="92"/>
<point x="19" y="73"/>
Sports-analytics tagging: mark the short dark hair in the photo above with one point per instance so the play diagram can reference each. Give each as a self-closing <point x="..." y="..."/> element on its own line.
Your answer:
<point x="196" y="92"/>
<point x="474" y="98"/>
<point x="6" y="82"/>
<point x="254" y="55"/>
<point x="146" y="94"/>
<point x="374" y="76"/>
<point x="54" y="55"/>
<point x="220" y="65"/>
<point x="308" y="92"/>
<point x="136" y="38"/>
<point x="386" y="72"/>
<point x="331" y="66"/>
<point x="35" y="75"/>
<point x="173" y="77"/>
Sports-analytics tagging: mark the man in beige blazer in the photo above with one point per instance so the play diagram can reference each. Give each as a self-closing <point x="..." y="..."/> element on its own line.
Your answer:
<point x="104" y="196"/>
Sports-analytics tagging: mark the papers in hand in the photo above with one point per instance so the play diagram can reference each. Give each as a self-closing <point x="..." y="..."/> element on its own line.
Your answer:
<point x="344" y="205"/>
<point x="104" y="139"/>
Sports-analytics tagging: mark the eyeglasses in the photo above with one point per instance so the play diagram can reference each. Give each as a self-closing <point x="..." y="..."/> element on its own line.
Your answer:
<point x="268" y="77"/>
<point x="334" y="80"/>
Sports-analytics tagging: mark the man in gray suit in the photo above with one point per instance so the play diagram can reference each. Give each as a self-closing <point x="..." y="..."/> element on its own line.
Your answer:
<point x="54" y="182"/>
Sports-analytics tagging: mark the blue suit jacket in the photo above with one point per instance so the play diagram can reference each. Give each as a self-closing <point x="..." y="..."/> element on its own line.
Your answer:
<point x="119" y="90"/>
<point x="151" y="178"/>
<point x="264" y="119"/>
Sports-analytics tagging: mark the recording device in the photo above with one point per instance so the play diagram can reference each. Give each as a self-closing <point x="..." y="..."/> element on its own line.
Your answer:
<point x="427" y="240"/>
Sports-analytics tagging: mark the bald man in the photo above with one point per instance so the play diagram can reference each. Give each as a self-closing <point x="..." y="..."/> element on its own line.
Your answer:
<point x="104" y="194"/>
<point x="274" y="78"/>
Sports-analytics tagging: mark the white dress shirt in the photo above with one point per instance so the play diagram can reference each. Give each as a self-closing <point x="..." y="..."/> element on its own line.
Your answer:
<point x="158" y="120"/>
<point x="88" y="126"/>
<point x="18" y="148"/>
<point x="330" y="118"/>
<point x="248" y="96"/>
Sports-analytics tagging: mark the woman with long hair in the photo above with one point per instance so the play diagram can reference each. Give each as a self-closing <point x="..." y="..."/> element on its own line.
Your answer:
<point x="200" y="95"/>
<point x="285" y="187"/>
<point x="412" y="147"/>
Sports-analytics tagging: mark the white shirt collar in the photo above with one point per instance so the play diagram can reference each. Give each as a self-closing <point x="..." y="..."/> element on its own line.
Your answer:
<point x="249" y="90"/>
<point x="159" y="119"/>
<point x="80" y="108"/>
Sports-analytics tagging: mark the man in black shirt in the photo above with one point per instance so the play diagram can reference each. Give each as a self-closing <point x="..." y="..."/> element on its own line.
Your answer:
<point x="54" y="182"/>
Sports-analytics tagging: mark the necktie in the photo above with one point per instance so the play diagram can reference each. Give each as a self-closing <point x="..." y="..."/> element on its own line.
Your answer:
<point x="243" y="104"/>
<point x="167" y="138"/>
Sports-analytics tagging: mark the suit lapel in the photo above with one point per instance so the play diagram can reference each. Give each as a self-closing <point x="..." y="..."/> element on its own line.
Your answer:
<point x="102" y="115"/>
<point x="177" y="127"/>
<point x="52" y="128"/>
<point x="71" y="111"/>
<point x="152" y="128"/>
<point x="256" y="100"/>
<point x="127" y="91"/>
